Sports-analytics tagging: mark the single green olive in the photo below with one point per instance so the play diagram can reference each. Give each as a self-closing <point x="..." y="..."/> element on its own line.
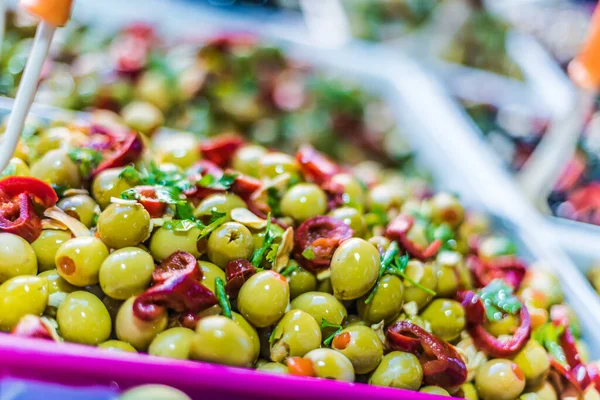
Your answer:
<point x="82" y="207"/>
<point x="17" y="167"/>
<point x="126" y="272"/>
<point x="447" y="280"/>
<point x="83" y="318"/>
<point x="304" y="201"/>
<point x="172" y="343"/>
<point x="354" y="193"/>
<point x="209" y="273"/>
<point x="331" y="364"/>
<point x="78" y="260"/>
<point x="425" y="276"/>
<point x="155" y="87"/>
<point x="361" y="345"/>
<point x="499" y="379"/>
<point x="295" y="334"/>
<point x="446" y="317"/>
<point x="322" y="306"/>
<point x="446" y="208"/>
<point x="273" y="368"/>
<point x="220" y="340"/>
<point x="46" y="246"/>
<point x="107" y="184"/>
<point x="53" y="138"/>
<point x="354" y="268"/>
<point x="124" y="225"/>
<point x="250" y="330"/>
<point x="353" y="218"/>
<point x="384" y="196"/>
<point x="386" y="303"/>
<point x="56" y="284"/>
<point x="301" y="281"/>
<point x="154" y="392"/>
<point x="544" y="392"/>
<point x="247" y="158"/>
<point x="117" y="345"/>
<point x="469" y="391"/>
<point x="438" y="391"/>
<point x="507" y="325"/>
<point x="20" y="296"/>
<point x="17" y="257"/>
<point x="142" y="116"/>
<point x="135" y="331"/>
<point x="165" y="241"/>
<point x="544" y="282"/>
<point x="56" y="168"/>
<point x="231" y="241"/>
<point x="533" y="360"/>
<point x="264" y="298"/>
<point x="219" y="202"/>
<point x="398" y="370"/>
<point x="272" y="164"/>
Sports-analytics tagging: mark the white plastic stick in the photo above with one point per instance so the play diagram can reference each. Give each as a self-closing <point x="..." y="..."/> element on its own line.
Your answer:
<point x="26" y="91"/>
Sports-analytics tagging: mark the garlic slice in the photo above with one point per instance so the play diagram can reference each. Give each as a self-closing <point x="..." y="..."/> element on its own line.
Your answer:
<point x="75" y="226"/>
<point x="248" y="218"/>
<point x="285" y="248"/>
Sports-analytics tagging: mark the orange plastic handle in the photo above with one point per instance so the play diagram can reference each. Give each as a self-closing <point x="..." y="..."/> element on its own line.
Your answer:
<point x="54" y="12"/>
<point x="584" y="70"/>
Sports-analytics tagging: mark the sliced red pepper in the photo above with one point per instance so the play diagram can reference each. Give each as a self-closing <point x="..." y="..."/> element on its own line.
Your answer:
<point x="323" y="235"/>
<point x="398" y="229"/>
<point x="150" y="201"/>
<point x="245" y="185"/>
<point x="237" y="272"/>
<point x="474" y="308"/>
<point x="315" y="166"/>
<point x="221" y="149"/>
<point x="579" y="377"/>
<point x="124" y="149"/>
<point x="202" y="168"/>
<point x="577" y="368"/>
<point x="31" y="326"/>
<point x="511" y="269"/>
<point x="179" y="293"/>
<point x="442" y="365"/>
<point x="179" y="263"/>
<point x="36" y="189"/>
<point x="17" y="216"/>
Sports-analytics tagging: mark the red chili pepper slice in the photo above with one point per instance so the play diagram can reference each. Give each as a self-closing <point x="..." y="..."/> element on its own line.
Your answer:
<point x="124" y="149"/>
<point x="179" y="293"/>
<point x="202" y="168"/>
<point x="31" y="326"/>
<point x="474" y="309"/>
<point x="150" y="201"/>
<point x="38" y="190"/>
<point x="17" y="216"/>
<point x="315" y="166"/>
<point x="221" y="149"/>
<point x="442" y="365"/>
<point x="577" y="372"/>
<point x="323" y="235"/>
<point x="245" y="185"/>
<point x="398" y="229"/>
<point x="508" y="268"/>
<point x="237" y="272"/>
<point x="578" y="377"/>
<point x="179" y="263"/>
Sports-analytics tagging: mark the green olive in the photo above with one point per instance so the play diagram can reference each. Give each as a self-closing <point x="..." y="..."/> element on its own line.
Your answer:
<point x="17" y="257"/>
<point x="155" y="87"/>
<point x="247" y="158"/>
<point x="361" y="345"/>
<point x="353" y="218"/>
<point x="17" y="167"/>
<point x="117" y="345"/>
<point x="424" y="275"/>
<point x="438" y="391"/>
<point x="446" y="208"/>
<point x="386" y="303"/>
<point x="507" y="325"/>
<point x="56" y="284"/>
<point x="264" y="298"/>
<point x="331" y="364"/>
<point x="83" y="318"/>
<point x="107" y="184"/>
<point x="46" y="246"/>
<point x="126" y="272"/>
<point x="322" y="306"/>
<point x="273" y="368"/>
<point x="78" y="260"/>
<point x="301" y="281"/>
<point x="543" y="392"/>
<point x="220" y="202"/>
<point x="165" y="241"/>
<point x="124" y="225"/>
<point x="220" y="340"/>
<point x="272" y="164"/>
<point x="20" y="296"/>
<point x="304" y="201"/>
<point x="324" y="286"/>
<point x="447" y="318"/>
<point x="295" y="334"/>
<point x="56" y="168"/>
<point x="533" y="360"/>
<point x="82" y="207"/>
<point x="154" y="392"/>
<point x="142" y="117"/>
<point x="231" y="241"/>
<point x="385" y="196"/>
<point x="172" y="343"/>
<point x="447" y="280"/>
<point x="250" y="330"/>
<point x="398" y="370"/>
<point x="469" y="391"/>
<point x="499" y="379"/>
<point x="135" y="331"/>
<point x="354" y="194"/>
<point x="209" y="273"/>
<point x="52" y="139"/>
<point x="544" y="282"/>
<point x="354" y="269"/>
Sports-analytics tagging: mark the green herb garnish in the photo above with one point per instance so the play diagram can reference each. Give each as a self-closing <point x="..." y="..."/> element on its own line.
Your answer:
<point x="180" y="225"/>
<point x="324" y="325"/>
<point x="258" y="255"/>
<point x="273" y="200"/>
<point x="498" y="299"/>
<point x="222" y="297"/>
<point x="86" y="159"/>
<point x="548" y="335"/>
<point x="309" y="253"/>
<point x="386" y="261"/>
<point x="399" y="269"/>
<point x="60" y="189"/>
<point x="272" y="254"/>
<point x="167" y="195"/>
<point x="289" y="269"/>
<point x="216" y="219"/>
<point x="152" y="175"/>
<point x="224" y="182"/>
